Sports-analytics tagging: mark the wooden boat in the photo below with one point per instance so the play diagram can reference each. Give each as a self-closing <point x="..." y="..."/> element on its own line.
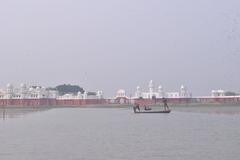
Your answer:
<point x="167" y="111"/>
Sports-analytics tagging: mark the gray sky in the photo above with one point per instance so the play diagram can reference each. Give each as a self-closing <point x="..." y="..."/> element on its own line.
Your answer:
<point x="111" y="44"/>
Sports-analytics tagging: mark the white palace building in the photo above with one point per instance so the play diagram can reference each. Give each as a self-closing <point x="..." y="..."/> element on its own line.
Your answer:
<point x="26" y="92"/>
<point x="160" y="93"/>
<point x="39" y="92"/>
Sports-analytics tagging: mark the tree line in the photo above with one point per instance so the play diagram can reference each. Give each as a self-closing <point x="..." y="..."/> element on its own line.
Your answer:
<point x="67" y="89"/>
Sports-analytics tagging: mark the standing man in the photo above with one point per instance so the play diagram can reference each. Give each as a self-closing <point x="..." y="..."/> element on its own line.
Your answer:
<point x="165" y="105"/>
<point x="136" y="107"/>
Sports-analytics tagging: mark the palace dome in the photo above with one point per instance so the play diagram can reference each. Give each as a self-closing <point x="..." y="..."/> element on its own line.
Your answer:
<point x="121" y="93"/>
<point x="9" y="85"/>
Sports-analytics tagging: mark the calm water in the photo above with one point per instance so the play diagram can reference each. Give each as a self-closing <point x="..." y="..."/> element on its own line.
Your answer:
<point x="188" y="133"/>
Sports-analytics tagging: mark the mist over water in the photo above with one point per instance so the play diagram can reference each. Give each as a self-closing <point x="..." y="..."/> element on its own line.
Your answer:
<point x="107" y="45"/>
<point x="105" y="134"/>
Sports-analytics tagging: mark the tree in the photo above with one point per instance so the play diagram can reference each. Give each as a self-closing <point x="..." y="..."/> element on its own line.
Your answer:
<point x="91" y="93"/>
<point x="69" y="89"/>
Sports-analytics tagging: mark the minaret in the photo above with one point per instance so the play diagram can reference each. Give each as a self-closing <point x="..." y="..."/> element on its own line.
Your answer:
<point x="151" y="89"/>
<point x="9" y="91"/>
<point x="151" y="86"/>
<point x="160" y="92"/>
<point x="39" y="92"/>
<point x="183" y="92"/>
<point x="79" y="95"/>
<point x="23" y="90"/>
<point x="100" y="94"/>
<point x="85" y="95"/>
<point x="138" y="93"/>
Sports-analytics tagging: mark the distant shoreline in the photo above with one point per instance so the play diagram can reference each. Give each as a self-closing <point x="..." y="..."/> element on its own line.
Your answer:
<point x="117" y="106"/>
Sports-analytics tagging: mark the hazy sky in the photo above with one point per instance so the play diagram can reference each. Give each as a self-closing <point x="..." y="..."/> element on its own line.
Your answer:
<point x="112" y="44"/>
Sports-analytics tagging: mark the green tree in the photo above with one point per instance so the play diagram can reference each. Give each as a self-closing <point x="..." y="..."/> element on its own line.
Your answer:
<point x="69" y="89"/>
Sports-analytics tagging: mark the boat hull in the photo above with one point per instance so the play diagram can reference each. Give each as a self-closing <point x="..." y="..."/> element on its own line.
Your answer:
<point x="168" y="111"/>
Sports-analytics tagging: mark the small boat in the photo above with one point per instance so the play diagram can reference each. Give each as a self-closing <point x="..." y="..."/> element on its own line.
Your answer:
<point x="147" y="108"/>
<point x="167" y="111"/>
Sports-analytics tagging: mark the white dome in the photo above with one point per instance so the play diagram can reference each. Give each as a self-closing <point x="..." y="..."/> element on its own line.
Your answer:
<point x="221" y="91"/>
<point x="151" y="85"/>
<point x="160" y="87"/>
<point x="121" y="91"/>
<point x="9" y="85"/>
<point x="99" y="92"/>
<point x="182" y="87"/>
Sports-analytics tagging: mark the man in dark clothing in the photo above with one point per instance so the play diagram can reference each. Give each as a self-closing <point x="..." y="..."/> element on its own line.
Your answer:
<point x="165" y="105"/>
<point x="136" y="107"/>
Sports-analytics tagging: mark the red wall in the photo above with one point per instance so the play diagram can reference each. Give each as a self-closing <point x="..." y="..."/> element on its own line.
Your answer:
<point x="80" y="102"/>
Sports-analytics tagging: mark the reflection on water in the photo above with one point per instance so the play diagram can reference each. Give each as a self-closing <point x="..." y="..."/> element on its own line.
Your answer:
<point x="118" y="134"/>
<point x="6" y="113"/>
<point x="227" y="110"/>
<point x="17" y="112"/>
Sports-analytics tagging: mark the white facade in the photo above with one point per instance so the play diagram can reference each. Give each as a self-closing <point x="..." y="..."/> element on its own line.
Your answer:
<point x="159" y="92"/>
<point x="25" y="92"/>
<point x="218" y="93"/>
<point x="184" y="92"/>
<point x="172" y="95"/>
<point x="121" y="93"/>
<point x="99" y="95"/>
<point x="39" y="92"/>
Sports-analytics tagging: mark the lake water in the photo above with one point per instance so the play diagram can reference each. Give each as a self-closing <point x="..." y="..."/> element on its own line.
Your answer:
<point x="188" y="133"/>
